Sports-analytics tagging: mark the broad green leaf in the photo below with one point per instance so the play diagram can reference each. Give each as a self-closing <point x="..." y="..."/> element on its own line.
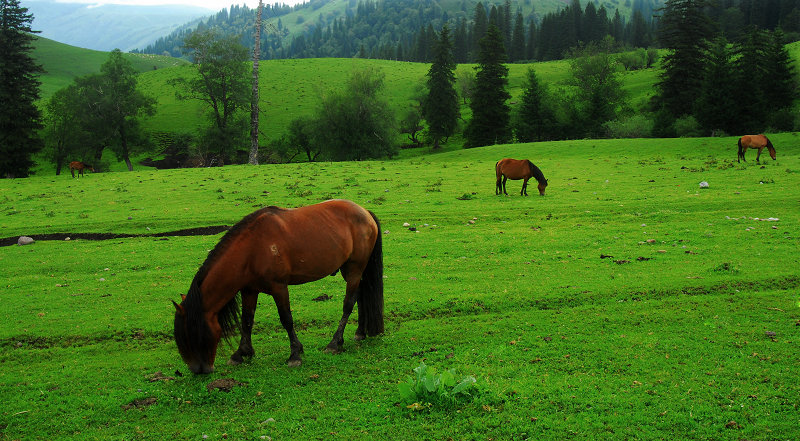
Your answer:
<point x="431" y="383"/>
<point x="448" y="378"/>
<point x="464" y="384"/>
<point x="407" y="392"/>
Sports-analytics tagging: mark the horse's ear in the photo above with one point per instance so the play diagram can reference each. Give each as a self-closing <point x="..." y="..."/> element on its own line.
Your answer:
<point x="179" y="308"/>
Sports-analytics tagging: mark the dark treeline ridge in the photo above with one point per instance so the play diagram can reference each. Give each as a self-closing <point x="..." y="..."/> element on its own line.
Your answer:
<point x="406" y="29"/>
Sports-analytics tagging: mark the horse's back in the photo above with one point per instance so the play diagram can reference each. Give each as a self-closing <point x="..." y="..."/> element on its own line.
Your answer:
<point x="754" y="141"/>
<point x="323" y="235"/>
<point x="514" y="168"/>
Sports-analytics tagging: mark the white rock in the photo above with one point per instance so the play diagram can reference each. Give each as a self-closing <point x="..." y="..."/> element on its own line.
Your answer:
<point x="25" y="240"/>
<point x="704" y="184"/>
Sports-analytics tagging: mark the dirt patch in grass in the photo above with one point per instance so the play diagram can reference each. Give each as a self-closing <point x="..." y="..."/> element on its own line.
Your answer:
<point x="199" y="231"/>
<point x="224" y="384"/>
<point x="139" y="403"/>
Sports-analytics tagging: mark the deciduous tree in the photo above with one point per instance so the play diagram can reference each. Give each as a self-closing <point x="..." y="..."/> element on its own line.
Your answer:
<point x="221" y="81"/>
<point x="357" y="122"/>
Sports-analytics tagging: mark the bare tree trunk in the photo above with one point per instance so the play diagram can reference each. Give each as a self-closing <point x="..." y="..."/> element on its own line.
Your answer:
<point x="253" y="159"/>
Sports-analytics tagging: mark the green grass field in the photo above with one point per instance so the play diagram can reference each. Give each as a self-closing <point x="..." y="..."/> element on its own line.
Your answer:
<point x="626" y="304"/>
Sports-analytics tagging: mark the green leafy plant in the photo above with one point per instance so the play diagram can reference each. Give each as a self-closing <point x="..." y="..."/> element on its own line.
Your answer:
<point x="429" y="388"/>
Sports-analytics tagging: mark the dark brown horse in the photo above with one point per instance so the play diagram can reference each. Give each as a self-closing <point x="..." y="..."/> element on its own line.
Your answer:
<point x="507" y="168"/>
<point x="269" y="250"/>
<point x="755" y="142"/>
<point x="77" y="165"/>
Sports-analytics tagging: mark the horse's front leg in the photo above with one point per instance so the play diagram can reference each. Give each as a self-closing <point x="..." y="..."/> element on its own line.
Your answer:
<point x="249" y="303"/>
<point x="280" y="293"/>
<point x="759" y="154"/>
<point x="524" y="191"/>
<point x="350" y="297"/>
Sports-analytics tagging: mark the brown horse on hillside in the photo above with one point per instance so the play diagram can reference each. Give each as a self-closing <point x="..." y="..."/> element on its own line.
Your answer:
<point x="77" y="165"/>
<point x="507" y="168"/>
<point x="269" y="250"/>
<point x="755" y="142"/>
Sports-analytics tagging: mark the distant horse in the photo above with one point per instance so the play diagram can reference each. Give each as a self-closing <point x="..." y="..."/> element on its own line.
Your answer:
<point x="518" y="169"/>
<point x="269" y="250"/>
<point x="77" y="165"/>
<point x="755" y="142"/>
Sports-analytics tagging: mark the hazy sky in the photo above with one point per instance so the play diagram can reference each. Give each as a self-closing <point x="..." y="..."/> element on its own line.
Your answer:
<point x="215" y="5"/>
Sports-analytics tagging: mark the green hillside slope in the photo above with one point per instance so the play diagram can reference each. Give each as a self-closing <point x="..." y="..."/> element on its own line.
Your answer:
<point x="62" y="63"/>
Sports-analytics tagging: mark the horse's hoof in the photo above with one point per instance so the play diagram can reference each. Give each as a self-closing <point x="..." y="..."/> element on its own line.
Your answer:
<point x="294" y="363"/>
<point x="232" y="362"/>
<point x="359" y="337"/>
<point x="333" y="350"/>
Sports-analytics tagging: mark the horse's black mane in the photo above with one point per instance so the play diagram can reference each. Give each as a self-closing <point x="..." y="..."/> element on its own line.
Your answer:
<point x="228" y="316"/>
<point x="537" y="174"/>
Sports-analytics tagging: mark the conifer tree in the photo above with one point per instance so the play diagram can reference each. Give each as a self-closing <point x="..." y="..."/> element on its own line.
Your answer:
<point x="686" y="31"/>
<point x="714" y="108"/>
<point x="490" y="113"/>
<point x="440" y="107"/>
<point x="517" y="51"/>
<point x="534" y="117"/>
<point x="20" y="118"/>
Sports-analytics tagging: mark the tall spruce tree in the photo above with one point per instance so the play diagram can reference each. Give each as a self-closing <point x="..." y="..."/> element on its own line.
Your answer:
<point x="490" y="113"/>
<point x="718" y="97"/>
<point x="685" y="30"/>
<point x="20" y="118"/>
<point x="517" y="51"/>
<point x="440" y="108"/>
<point x="535" y="117"/>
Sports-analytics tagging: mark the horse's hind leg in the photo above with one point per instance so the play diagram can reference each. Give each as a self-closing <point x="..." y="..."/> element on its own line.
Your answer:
<point x="353" y="279"/>
<point x="280" y="293"/>
<point x="249" y="302"/>
<point x="505" y="178"/>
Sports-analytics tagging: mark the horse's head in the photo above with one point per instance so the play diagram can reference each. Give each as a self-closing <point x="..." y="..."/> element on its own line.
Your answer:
<point x="771" y="150"/>
<point x="194" y="339"/>
<point x="90" y="168"/>
<point x="542" y="185"/>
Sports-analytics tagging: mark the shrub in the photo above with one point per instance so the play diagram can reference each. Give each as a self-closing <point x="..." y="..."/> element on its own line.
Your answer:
<point x="635" y="126"/>
<point x="428" y="388"/>
<point x="687" y="127"/>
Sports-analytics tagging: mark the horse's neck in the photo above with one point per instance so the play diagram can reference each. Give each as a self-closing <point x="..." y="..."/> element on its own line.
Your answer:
<point x="222" y="282"/>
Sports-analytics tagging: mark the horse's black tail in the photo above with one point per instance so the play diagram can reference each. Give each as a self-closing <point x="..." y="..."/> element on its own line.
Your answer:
<point x="741" y="153"/>
<point x="370" y="298"/>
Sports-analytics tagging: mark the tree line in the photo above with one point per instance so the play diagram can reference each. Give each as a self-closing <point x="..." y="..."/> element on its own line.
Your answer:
<point x="406" y="29"/>
<point x="704" y="79"/>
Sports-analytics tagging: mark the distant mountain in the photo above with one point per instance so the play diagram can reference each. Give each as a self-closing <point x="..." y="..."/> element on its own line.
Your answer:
<point x="107" y="27"/>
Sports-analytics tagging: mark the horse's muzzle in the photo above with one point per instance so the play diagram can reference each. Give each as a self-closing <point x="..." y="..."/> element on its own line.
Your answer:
<point x="201" y="369"/>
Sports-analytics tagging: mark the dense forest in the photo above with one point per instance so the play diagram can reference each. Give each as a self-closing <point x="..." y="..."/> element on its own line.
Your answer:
<point x="406" y="29"/>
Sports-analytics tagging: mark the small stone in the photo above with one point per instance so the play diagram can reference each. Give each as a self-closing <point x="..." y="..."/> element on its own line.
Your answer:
<point x="25" y="240"/>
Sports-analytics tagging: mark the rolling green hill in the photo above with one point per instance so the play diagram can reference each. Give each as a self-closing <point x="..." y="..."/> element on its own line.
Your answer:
<point x="63" y="63"/>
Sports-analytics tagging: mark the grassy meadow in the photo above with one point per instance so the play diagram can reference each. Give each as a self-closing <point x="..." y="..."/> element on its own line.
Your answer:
<point x="628" y="303"/>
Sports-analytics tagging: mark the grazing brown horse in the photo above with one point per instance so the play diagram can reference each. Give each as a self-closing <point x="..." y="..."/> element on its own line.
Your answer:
<point x="269" y="250"/>
<point x="754" y="142"/>
<point x="77" y="165"/>
<point x="518" y="169"/>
